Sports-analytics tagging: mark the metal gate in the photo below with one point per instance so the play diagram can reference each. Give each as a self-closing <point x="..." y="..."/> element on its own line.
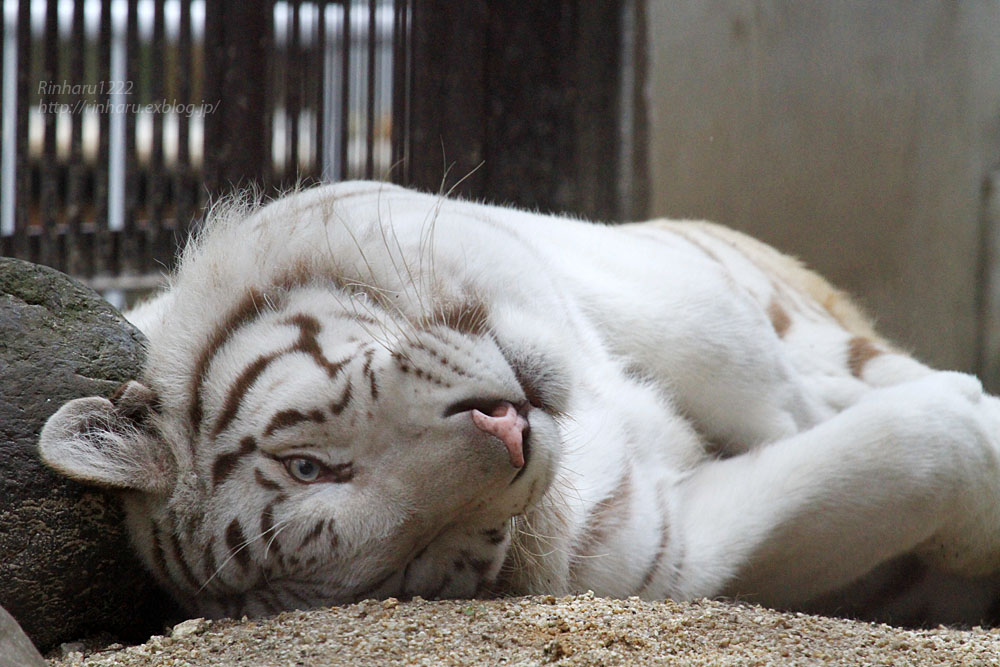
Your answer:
<point x="121" y="119"/>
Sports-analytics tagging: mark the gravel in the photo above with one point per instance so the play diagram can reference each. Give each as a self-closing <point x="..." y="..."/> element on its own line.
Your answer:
<point x="577" y="630"/>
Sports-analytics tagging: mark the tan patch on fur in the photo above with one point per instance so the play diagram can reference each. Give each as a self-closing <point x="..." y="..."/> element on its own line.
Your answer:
<point x="859" y="352"/>
<point x="779" y="318"/>
<point x="786" y="270"/>
<point x="298" y="274"/>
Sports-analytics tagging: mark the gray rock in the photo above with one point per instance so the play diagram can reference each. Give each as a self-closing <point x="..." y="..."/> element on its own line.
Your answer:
<point x="66" y="568"/>
<point x="16" y="650"/>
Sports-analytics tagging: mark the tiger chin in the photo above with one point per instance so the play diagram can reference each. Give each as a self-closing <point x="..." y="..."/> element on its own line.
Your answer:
<point x="363" y="391"/>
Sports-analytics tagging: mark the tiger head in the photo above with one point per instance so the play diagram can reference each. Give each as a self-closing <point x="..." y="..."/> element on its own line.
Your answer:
<point x="306" y="442"/>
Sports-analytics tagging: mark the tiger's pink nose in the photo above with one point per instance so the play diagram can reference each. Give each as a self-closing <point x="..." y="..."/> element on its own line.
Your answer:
<point x="506" y="424"/>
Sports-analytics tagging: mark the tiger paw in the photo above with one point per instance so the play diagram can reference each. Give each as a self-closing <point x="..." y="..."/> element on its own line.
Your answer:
<point x="458" y="564"/>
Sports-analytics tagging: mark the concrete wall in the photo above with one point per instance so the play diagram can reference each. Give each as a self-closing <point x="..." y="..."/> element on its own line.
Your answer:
<point x="856" y="135"/>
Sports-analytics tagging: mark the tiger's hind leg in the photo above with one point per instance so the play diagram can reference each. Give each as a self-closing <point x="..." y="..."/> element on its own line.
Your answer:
<point x="909" y="468"/>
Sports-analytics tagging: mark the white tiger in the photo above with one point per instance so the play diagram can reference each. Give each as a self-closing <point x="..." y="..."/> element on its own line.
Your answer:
<point x="360" y="390"/>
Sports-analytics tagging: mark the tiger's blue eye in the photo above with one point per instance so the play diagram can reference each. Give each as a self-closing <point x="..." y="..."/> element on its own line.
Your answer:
<point x="303" y="469"/>
<point x="308" y="470"/>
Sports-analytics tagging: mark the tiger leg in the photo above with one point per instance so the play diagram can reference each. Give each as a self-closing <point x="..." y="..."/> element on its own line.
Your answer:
<point x="913" y="467"/>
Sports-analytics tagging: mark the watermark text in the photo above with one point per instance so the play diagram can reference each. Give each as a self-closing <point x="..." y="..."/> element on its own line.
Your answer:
<point x="161" y="107"/>
<point x="64" y="87"/>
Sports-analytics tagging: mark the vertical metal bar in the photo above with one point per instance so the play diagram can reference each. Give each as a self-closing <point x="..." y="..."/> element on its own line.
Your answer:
<point x="23" y="176"/>
<point x="409" y="63"/>
<point x="237" y="136"/>
<point x="401" y="65"/>
<point x="49" y="160"/>
<point x="214" y="48"/>
<point x="312" y="91"/>
<point x="104" y="255"/>
<point x="273" y="170"/>
<point x="157" y="237"/>
<point x="7" y="136"/>
<point x="119" y="82"/>
<point x="263" y="111"/>
<point x="277" y="161"/>
<point x="132" y="247"/>
<point x="397" y="48"/>
<point x="8" y="140"/>
<point x="293" y="98"/>
<point x="596" y="52"/>
<point x="319" y="127"/>
<point x="383" y="91"/>
<point x="333" y="169"/>
<point x="74" y="186"/>
<point x="184" y="193"/>
<point x="303" y="71"/>
<point x="370" y="126"/>
<point x="117" y="99"/>
<point x="314" y="88"/>
<point x="450" y="98"/>
<point x="345" y="93"/>
<point x="634" y="187"/>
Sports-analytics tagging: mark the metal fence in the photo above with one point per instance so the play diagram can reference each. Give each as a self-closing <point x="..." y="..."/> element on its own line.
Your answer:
<point x="121" y="118"/>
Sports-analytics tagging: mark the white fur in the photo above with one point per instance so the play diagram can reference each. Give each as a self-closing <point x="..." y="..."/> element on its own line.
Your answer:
<point x="657" y="351"/>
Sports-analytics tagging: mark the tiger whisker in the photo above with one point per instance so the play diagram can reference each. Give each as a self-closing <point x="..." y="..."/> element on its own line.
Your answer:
<point x="275" y="531"/>
<point x="402" y="255"/>
<point x="387" y="303"/>
<point x="246" y="543"/>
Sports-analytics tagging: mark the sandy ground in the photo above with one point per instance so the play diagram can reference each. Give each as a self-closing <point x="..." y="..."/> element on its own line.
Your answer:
<point x="581" y="630"/>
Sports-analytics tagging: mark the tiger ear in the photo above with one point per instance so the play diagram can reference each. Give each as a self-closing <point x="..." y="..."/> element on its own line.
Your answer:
<point x="109" y="443"/>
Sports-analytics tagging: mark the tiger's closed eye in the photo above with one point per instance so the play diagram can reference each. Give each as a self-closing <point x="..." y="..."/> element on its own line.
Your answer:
<point x="310" y="471"/>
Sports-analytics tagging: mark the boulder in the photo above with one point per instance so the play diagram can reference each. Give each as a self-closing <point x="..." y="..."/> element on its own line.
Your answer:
<point x="66" y="567"/>
<point x="16" y="650"/>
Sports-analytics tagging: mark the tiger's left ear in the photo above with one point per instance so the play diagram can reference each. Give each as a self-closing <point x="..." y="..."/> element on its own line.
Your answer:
<point x="109" y="442"/>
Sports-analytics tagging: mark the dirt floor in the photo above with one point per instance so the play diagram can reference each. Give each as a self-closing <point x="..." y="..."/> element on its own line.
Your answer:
<point x="580" y="630"/>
